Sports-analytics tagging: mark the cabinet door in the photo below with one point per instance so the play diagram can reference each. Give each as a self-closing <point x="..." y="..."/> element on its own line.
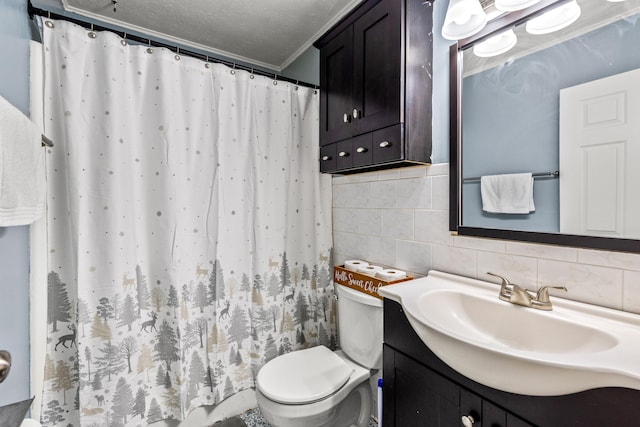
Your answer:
<point x="417" y="396"/>
<point x="336" y="80"/>
<point x="377" y="55"/>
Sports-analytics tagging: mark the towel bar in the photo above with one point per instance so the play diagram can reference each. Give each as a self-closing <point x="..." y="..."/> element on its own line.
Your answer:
<point x="554" y="174"/>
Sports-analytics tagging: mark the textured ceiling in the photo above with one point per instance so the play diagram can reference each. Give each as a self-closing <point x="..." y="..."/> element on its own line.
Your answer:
<point x="268" y="33"/>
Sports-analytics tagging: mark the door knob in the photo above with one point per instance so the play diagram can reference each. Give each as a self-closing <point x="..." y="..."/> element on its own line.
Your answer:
<point x="385" y="144"/>
<point x="361" y="150"/>
<point x="343" y="154"/>
<point x="346" y="118"/>
<point x="356" y="113"/>
<point x="325" y="158"/>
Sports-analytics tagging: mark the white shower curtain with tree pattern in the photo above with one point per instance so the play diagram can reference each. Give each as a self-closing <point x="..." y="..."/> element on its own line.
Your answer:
<point x="189" y="229"/>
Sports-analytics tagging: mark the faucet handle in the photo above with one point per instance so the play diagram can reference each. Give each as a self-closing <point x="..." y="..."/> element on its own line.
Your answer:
<point x="505" y="281"/>
<point x="505" y="286"/>
<point x="543" y="293"/>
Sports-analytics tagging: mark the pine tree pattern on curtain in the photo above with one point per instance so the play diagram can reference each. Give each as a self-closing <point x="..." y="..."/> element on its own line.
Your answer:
<point x="189" y="230"/>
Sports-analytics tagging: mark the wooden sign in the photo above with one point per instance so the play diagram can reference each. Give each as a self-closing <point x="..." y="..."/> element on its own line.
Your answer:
<point x="362" y="282"/>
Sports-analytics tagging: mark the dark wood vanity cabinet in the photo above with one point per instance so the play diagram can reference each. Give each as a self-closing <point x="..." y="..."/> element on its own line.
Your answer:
<point x="419" y="389"/>
<point x="375" y="87"/>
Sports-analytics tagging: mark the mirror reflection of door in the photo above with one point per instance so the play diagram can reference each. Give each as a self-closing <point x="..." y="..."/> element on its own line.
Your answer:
<point x="600" y="157"/>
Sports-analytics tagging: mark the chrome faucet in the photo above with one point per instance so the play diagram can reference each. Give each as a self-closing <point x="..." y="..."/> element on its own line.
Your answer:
<point x="510" y="292"/>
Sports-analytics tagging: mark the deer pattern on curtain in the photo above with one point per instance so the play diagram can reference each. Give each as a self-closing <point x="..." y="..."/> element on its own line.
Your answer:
<point x="189" y="230"/>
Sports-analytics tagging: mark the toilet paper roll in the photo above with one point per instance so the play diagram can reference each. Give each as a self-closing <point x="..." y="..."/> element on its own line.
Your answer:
<point x="355" y="264"/>
<point x="370" y="270"/>
<point x="390" y="274"/>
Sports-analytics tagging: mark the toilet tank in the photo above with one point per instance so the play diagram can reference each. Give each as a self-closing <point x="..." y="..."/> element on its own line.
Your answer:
<point x="360" y="327"/>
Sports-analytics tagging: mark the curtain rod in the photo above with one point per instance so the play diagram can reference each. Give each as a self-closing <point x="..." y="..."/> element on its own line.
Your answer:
<point x="147" y="41"/>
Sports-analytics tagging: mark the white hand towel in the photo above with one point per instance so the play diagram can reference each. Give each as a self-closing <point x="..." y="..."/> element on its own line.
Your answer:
<point x="22" y="182"/>
<point x="509" y="193"/>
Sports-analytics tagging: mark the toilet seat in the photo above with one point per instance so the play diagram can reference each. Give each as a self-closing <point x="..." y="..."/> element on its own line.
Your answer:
<point x="303" y="376"/>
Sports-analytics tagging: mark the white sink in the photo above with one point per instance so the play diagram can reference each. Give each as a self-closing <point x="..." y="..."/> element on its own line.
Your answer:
<point x="574" y="347"/>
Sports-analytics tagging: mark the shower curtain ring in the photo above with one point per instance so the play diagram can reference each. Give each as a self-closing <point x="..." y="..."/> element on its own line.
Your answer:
<point x="206" y="64"/>
<point x="275" y="79"/>
<point x="177" y="54"/>
<point x="123" y="42"/>
<point x="251" y="76"/>
<point x="92" y="34"/>
<point x="233" y="70"/>
<point x="149" y="49"/>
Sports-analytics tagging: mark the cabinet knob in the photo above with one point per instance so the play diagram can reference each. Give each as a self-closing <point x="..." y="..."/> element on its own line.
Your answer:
<point x="356" y="113"/>
<point x="343" y="154"/>
<point x="467" y="421"/>
<point x="325" y="158"/>
<point x="361" y="150"/>
<point x="385" y="144"/>
<point x="346" y="118"/>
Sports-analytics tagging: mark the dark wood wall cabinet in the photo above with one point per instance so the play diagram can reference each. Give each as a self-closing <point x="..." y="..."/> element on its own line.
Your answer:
<point x="419" y="389"/>
<point x="375" y="87"/>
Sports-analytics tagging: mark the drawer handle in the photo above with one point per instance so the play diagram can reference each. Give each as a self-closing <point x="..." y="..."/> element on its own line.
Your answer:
<point x="356" y="113"/>
<point x="467" y="421"/>
<point x="346" y="118"/>
<point x="385" y="144"/>
<point x="361" y="150"/>
<point x="325" y="158"/>
<point x="343" y="154"/>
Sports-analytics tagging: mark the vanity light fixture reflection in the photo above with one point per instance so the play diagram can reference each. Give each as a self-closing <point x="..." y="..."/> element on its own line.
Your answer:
<point x="496" y="45"/>
<point x="464" y="18"/>
<point x="555" y="19"/>
<point x="513" y="5"/>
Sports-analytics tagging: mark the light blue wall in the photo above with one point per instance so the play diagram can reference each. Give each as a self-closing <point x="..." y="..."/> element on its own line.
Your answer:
<point x="14" y="241"/>
<point x="306" y="67"/>
<point x="529" y="88"/>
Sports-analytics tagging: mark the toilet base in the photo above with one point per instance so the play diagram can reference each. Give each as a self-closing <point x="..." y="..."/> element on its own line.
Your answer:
<point x="350" y="406"/>
<point x="352" y="411"/>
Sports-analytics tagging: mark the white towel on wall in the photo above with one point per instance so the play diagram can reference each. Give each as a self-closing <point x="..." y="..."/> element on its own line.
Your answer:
<point x="22" y="182"/>
<point x="508" y="193"/>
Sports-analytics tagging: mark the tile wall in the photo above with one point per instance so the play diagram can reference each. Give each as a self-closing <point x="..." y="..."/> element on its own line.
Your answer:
<point x="399" y="218"/>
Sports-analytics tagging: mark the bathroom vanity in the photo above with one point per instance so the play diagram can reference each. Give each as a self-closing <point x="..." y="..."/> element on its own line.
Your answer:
<point x="421" y="390"/>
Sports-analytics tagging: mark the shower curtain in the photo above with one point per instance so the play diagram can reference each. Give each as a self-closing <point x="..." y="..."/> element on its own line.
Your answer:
<point x="189" y="229"/>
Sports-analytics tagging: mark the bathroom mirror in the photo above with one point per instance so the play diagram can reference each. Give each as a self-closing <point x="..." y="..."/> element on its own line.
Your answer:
<point x="564" y="106"/>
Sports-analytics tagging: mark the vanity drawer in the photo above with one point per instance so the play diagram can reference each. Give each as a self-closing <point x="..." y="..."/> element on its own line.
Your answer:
<point x="388" y="144"/>
<point x="328" y="158"/>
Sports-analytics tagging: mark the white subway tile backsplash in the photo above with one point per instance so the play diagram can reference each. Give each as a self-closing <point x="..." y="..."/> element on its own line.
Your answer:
<point x="384" y="194"/>
<point x="414" y="193"/>
<point x="623" y="260"/>
<point x="440" y="192"/>
<point x="586" y="283"/>
<point x="413" y="172"/>
<point x="432" y="227"/>
<point x="398" y="223"/>
<point x="382" y="251"/>
<point x="455" y="260"/>
<point x="399" y="218"/>
<point x="478" y="243"/>
<point x="351" y="195"/>
<point x="631" y="292"/>
<point x="518" y="269"/>
<point x="438" y="169"/>
<point x="559" y="253"/>
<point x="351" y="244"/>
<point x="413" y="257"/>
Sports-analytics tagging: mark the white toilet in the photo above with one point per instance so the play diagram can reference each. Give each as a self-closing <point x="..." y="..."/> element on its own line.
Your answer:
<point x="317" y="387"/>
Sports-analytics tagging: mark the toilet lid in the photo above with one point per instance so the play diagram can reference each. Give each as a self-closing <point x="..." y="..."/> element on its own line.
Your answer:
<point x="303" y="376"/>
